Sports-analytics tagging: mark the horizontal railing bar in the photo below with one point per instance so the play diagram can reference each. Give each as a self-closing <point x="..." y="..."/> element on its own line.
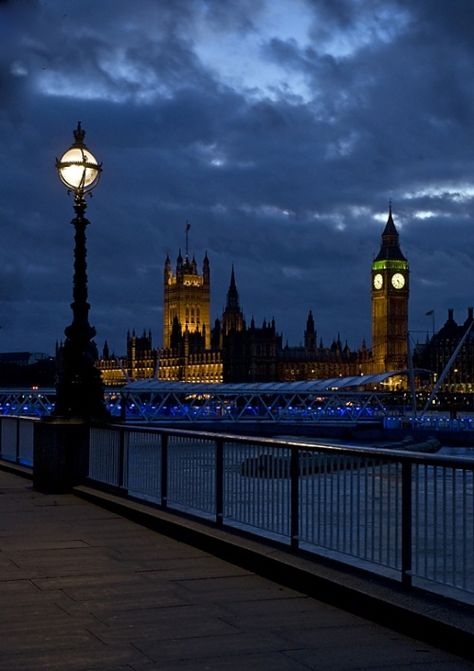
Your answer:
<point x="398" y="456"/>
<point x="27" y="418"/>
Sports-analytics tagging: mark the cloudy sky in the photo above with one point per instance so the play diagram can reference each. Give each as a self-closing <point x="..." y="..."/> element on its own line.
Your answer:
<point x="279" y="128"/>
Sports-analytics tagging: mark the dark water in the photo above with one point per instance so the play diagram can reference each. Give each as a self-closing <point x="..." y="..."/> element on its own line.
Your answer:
<point x="466" y="451"/>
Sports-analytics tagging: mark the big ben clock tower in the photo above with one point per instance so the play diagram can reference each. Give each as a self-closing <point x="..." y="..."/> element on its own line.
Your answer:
<point x="390" y="281"/>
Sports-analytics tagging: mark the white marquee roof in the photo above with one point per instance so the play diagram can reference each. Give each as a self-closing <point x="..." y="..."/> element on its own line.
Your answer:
<point x="304" y="386"/>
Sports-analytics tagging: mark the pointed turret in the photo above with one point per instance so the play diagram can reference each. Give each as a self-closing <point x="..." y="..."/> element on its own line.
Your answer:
<point x="167" y="272"/>
<point x="232" y="293"/>
<point x="310" y="333"/>
<point x="206" y="274"/>
<point x="176" y="334"/>
<point x="470" y="316"/>
<point x="232" y="318"/>
<point x="216" y="335"/>
<point x="390" y="247"/>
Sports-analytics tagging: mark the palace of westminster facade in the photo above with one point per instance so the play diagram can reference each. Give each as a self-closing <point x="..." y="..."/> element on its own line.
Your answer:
<point x="231" y="350"/>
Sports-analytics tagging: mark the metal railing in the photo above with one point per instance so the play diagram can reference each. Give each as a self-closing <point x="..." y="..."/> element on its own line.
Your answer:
<point x="16" y="439"/>
<point x="407" y="516"/>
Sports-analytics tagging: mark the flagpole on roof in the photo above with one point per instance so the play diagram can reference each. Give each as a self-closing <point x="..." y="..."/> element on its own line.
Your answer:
<point x="188" y="226"/>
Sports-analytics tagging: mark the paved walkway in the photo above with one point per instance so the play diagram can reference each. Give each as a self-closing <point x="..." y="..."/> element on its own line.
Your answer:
<point x="85" y="589"/>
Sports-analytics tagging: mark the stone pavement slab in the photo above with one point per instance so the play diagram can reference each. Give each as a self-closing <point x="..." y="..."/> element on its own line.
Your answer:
<point x="84" y="589"/>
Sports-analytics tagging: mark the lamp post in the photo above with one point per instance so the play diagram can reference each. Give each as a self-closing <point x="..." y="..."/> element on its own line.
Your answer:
<point x="79" y="390"/>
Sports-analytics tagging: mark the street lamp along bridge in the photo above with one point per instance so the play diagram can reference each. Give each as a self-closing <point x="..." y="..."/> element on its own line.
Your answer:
<point x="79" y="390"/>
<point x="61" y="442"/>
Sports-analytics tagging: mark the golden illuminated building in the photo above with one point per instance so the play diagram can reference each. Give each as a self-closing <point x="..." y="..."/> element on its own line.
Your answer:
<point x="140" y="361"/>
<point x="187" y="299"/>
<point x="187" y="354"/>
<point x="231" y="351"/>
<point x="141" y="356"/>
<point x="112" y="371"/>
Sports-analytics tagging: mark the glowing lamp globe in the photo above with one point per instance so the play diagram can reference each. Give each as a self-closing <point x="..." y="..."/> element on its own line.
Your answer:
<point x="78" y="168"/>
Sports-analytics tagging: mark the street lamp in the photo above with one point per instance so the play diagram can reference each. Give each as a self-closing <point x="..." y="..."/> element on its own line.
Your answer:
<point x="79" y="390"/>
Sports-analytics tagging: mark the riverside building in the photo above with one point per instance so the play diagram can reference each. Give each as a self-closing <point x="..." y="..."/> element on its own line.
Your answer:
<point x="233" y="350"/>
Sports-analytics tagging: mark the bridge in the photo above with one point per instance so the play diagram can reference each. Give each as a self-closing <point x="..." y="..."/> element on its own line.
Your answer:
<point x="353" y="399"/>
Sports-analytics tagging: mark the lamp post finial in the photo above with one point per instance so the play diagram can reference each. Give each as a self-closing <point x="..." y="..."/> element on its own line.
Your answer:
<point x="79" y="133"/>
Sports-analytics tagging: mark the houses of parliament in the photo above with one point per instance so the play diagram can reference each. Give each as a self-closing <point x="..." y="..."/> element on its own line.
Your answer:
<point x="232" y="350"/>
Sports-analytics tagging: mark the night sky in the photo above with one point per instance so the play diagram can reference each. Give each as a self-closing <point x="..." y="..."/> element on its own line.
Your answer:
<point x="279" y="128"/>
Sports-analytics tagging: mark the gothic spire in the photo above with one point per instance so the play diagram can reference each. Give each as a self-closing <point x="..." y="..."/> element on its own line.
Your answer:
<point x="390" y="247"/>
<point x="232" y="293"/>
<point x="310" y="332"/>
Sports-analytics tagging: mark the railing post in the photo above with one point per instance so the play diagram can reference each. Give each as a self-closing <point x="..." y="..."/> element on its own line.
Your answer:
<point x="123" y="407"/>
<point x="17" y="445"/>
<point x="164" y="470"/>
<point x="219" y="482"/>
<point x="406" y="524"/>
<point x="294" y="499"/>
<point x="121" y="459"/>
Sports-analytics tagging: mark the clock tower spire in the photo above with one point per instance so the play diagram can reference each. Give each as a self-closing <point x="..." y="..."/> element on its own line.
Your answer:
<point x="390" y="290"/>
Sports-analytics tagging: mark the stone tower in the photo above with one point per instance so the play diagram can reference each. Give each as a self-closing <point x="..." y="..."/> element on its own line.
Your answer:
<point x="187" y="298"/>
<point x="390" y="290"/>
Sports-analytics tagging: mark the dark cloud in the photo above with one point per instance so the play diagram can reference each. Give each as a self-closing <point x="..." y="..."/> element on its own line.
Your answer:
<point x="280" y="133"/>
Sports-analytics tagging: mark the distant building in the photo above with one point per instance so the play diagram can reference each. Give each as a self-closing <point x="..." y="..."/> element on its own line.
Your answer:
<point x="22" y="358"/>
<point x="140" y="362"/>
<point x="316" y="363"/>
<point x="232" y="351"/>
<point x="141" y="359"/>
<point x="437" y="351"/>
<point x="27" y="369"/>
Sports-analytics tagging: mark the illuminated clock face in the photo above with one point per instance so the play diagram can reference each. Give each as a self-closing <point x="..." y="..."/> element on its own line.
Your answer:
<point x="378" y="281"/>
<point x="398" y="281"/>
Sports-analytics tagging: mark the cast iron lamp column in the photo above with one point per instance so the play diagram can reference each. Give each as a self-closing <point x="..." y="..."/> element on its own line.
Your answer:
<point x="79" y="389"/>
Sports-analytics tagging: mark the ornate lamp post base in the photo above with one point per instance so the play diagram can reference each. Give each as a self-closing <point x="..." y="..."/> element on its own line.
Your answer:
<point x="60" y="454"/>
